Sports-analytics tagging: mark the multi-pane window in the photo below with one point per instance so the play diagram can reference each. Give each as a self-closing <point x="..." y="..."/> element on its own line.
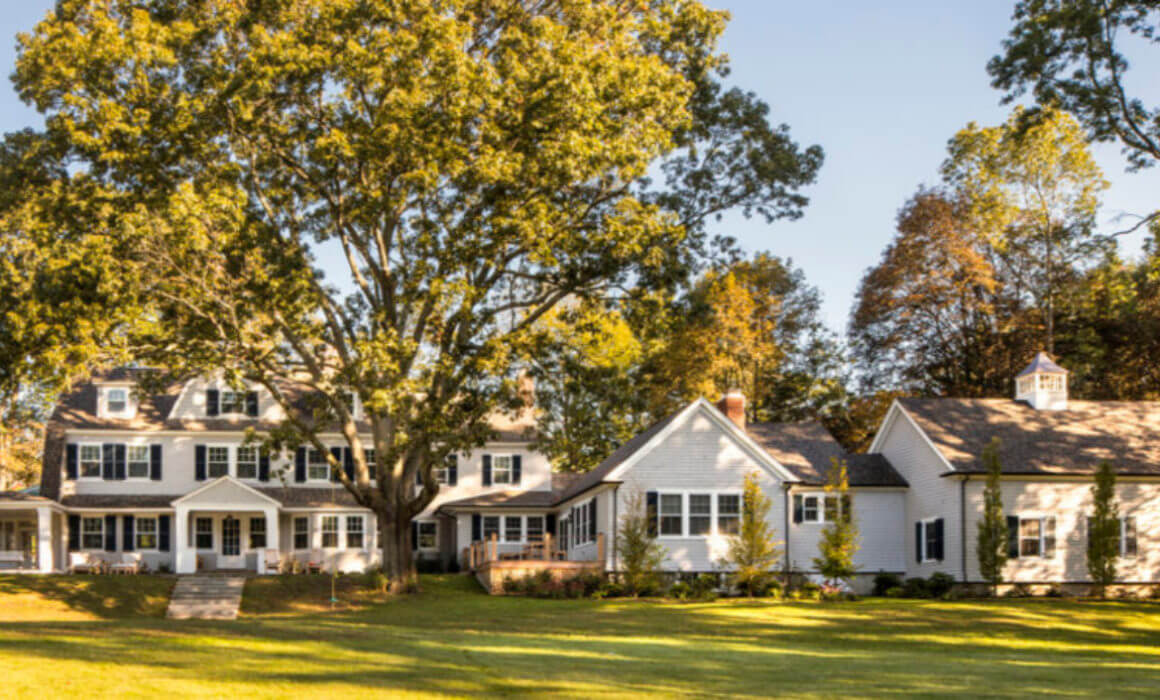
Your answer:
<point x="501" y="469"/>
<point x="247" y="467"/>
<point x="90" y="461"/>
<point x="513" y="530"/>
<point x="330" y="531"/>
<point x="117" y="401"/>
<point x="372" y="466"/>
<point x="92" y="533"/>
<point x="535" y="528"/>
<point x="442" y="473"/>
<point x="146" y="533"/>
<point x="217" y="461"/>
<point x="671" y="514"/>
<point x="232" y="402"/>
<point x="428" y="535"/>
<point x="810" y="511"/>
<point x="203" y="533"/>
<point x="1035" y="537"/>
<point x="257" y="533"/>
<point x="317" y="468"/>
<point x="819" y="508"/>
<point x="354" y="531"/>
<point x="301" y="533"/>
<point x="700" y="513"/>
<point x="138" y="458"/>
<point x="490" y="526"/>
<point x="728" y="513"/>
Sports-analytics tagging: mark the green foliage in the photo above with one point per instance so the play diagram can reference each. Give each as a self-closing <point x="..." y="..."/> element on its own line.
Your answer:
<point x="884" y="581"/>
<point x="1103" y="547"/>
<point x="637" y="549"/>
<point x="543" y="584"/>
<point x="753" y="553"/>
<point x="940" y="584"/>
<point x="991" y="534"/>
<point x="839" y="538"/>
<point x="915" y="587"/>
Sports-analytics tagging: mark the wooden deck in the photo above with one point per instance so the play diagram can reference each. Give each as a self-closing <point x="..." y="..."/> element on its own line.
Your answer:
<point x="491" y="564"/>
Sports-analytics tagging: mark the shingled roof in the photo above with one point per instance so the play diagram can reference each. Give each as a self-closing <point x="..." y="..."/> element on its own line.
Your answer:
<point x="808" y="450"/>
<point x="1071" y="441"/>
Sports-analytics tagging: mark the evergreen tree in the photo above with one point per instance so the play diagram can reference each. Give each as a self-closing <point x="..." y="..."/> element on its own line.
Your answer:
<point x="839" y="541"/>
<point x="753" y="553"/>
<point x="991" y="540"/>
<point x="639" y="553"/>
<point x="1103" y="529"/>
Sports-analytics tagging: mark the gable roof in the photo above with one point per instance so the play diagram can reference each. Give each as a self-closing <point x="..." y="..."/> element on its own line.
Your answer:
<point x="808" y="450"/>
<point x="1071" y="441"/>
<point x="1042" y="364"/>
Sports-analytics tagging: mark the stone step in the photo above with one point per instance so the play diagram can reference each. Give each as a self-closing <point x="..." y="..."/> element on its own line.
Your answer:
<point x="205" y="597"/>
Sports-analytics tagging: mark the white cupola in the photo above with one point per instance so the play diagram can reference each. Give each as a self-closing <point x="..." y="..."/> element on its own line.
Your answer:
<point x="1043" y="385"/>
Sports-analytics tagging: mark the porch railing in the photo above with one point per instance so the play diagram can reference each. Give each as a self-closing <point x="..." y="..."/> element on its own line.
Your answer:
<point x="546" y="550"/>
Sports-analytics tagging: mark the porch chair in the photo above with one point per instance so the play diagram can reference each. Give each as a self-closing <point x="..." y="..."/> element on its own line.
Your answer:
<point x="274" y="562"/>
<point x="130" y="563"/>
<point x="82" y="563"/>
<point x="314" y="564"/>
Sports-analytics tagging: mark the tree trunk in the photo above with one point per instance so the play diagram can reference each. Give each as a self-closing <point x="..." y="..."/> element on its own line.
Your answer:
<point x="395" y="550"/>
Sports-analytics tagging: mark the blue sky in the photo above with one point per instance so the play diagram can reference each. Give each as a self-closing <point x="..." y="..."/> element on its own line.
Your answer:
<point x="881" y="86"/>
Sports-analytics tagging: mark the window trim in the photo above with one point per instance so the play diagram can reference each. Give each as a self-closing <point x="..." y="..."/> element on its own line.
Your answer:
<point x="229" y="460"/>
<point x="927" y="524"/>
<point x="346" y="531"/>
<point x="80" y="461"/>
<point x="498" y="527"/>
<point x="137" y="533"/>
<point x="509" y="470"/>
<point x="129" y="461"/>
<point x="1041" y="518"/>
<point x="294" y="533"/>
<point x="323" y="532"/>
<point x="124" y="412"/>
<point x="714" y="512"/>
<point x="1123" y="539"/>
<point x="197" y="547"/>
<point x="822" y="496"/>
<point x="234" y="394"/>
<point x="85" y="533"/>
<point x="236" y="461"/>
<point x="419" y="524"/>
<point x="325" y="461"/>
<point x="250" y="532"/>
<point x="717" y="511"/>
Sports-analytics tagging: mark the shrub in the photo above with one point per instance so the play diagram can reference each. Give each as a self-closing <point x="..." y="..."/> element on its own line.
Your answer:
<point x="379" y="582"/>
<point x="939" y="584"/>
<point x="640" y="554"/>
<point x="884" y="581"/>
<point x="1054" y="591"/>
<point x="1018" y="590"/>
<point x="681" y="591"/>
<point x="895" y="592"/>
<point x="774" y="589"/>
<point x="808" y="591"/>
<point x="512" y="585"/>
<point x="609" y="589"/>
<point x="704" y="587"/>
<point x="915" y="587"/>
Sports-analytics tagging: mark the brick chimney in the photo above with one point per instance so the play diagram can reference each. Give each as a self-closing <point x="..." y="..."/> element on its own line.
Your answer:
<point x="732" y="404"/>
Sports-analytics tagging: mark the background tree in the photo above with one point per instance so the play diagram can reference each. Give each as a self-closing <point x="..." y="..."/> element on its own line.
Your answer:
<point x="991" y="533"/>
<point x="637" y="549"/>
<point x="839" y="541"/>
<point x="753" y="553"/>
<point x="386" y="198"/>
<point x="1103" y="529"/>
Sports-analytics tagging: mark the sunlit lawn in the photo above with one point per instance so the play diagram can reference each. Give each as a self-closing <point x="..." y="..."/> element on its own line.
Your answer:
<point x="451" y="639"/>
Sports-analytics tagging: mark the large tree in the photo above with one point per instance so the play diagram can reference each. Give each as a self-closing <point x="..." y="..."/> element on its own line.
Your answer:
<point x="387" y="197"/>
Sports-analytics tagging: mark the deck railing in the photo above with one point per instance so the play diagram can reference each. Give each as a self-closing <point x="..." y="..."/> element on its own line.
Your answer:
<point x="546" y="550"/>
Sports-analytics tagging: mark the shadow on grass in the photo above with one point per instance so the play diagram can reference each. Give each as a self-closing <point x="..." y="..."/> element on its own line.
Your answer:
<point x="109" y="597"/>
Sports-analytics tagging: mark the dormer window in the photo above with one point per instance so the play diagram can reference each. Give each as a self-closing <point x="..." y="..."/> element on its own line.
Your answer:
<point x="115" y="402"/>
<point x="233" y="402"/>
<point x="118" y="401"/>
<point x="227" y="402"/>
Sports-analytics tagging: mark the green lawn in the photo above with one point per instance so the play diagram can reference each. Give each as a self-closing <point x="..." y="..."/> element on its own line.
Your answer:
<point x="451" y="639"/>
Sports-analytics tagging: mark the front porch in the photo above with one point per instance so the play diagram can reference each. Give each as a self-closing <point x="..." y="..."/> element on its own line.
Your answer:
<point x="492" y="563"/>
<point x="30" y="535"/>
<point x="224" y="526"/>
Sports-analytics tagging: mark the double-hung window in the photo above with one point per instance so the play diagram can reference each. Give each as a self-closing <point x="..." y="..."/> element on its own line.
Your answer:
<point x="671" y="514"/>
<point x="117" y="402"/>
<point x="700" y="514"/>
<point x="138" y="459"/>
<point x="354" y="531"/>
<point x="317" y="467"/>
<point x="232" y="402"/>
<point x="1033" y="536"/>
<point x="302" y="532"/>
<point x="501" y="469"/>
<point x="330" y="531"/>
<point x="90" y="461"/>
<point x="257" y="533"/>
<point x="535" y="528"/>
<point x="490" y="526"/>
<point x="513" y="528"/>
<point x="372" y="466"/>
<point x="247" y="462"/>
<point x="728" y="513"/>
<point x="146" y="533"/>
<point x="815" y="508"/>
<point x="428" y="535"/>
<point x="92" y="533"/>
<point x="203" y="533"/>
<point x="217" y="461"/>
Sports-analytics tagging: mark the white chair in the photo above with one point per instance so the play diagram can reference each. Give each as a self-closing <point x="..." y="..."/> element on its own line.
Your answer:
<point x="79" y="562"/>
<point x="130" y="563"/>
<point x="273" y="561"/>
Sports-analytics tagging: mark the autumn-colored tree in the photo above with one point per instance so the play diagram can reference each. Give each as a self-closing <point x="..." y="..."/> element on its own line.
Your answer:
<point x="639" y="554"/>
<point x="839" y="538"/>
<point x="386" y="197"/>
<point x="753" y="553"/>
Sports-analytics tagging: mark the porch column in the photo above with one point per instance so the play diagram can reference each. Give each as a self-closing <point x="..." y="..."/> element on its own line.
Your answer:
<point x="45" y="546"/>
<point x="273" y="536"/>
<point x="185" y="561"/>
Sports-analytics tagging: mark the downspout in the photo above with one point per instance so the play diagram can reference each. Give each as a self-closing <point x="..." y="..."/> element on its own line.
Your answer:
<point x="963" y="525"/>
<point x="615" y="524"/>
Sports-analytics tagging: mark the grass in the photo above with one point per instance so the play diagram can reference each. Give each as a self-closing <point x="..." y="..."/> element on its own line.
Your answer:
<point x="453" y="640"/>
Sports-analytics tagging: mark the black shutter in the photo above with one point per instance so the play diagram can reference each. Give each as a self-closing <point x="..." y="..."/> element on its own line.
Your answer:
<point x="108" y="461"/>
<point x="126" y="533"/>
<point x="550" y="523"/>
<point x="163" y="533"/>
<point x="336" y="453"/>
<point x="110" y="533"/>
<point x="517" y="468"/>
<point x="199" y="463"/>
<point x="650" y="510"/>
<point x="74" y="532"/>
<point x="1012" y="537"/>
<point x="263" y="466"/>
<point x="476" y="527"/>
<point x="300" y="465"/>
<point x="938" y="539"/>
<point x="452" y="469"/>
<point x="1048" y="528"/>
<point x="155" y="462"/>
<point x="592" y="520"/>
<point x="487" y="470"/>
<point x="797" y="508"/>
<point x="918" y="542"/>
<point x="252" y="404"/>
<point x="348" y="463"/>
<point x="211" y="402"/>
<point x="414" y="535"/>
<point x="119" y="462"/>
<point x="71" y="459"/>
